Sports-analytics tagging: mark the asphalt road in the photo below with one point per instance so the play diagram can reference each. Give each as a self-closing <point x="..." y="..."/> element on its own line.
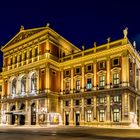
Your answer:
<point x="68" y="133"/>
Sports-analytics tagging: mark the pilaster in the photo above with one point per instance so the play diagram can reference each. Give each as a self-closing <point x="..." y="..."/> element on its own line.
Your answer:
<point x="83" y="77"/>
<point x="27" y="113"/>
<point x="94" y="72"/>
<point x="82" y="113"/>
<point x="47" y="78"/>
<point x="62" y="81"/>
<point x="108" y="72"/>
<point x="125" y="69"/>
<point x="71" y="113"/>
<point x="37" y="105"/>
<point x="71" y="79"/>
<point x="94" y="109"/>
<point x="108" y="108"/>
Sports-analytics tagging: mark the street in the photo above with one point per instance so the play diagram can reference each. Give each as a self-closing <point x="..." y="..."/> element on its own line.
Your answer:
<point x="69" y="133"/>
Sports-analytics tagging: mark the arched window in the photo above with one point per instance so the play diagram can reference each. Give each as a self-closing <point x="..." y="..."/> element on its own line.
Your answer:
<point x="33" y="82"/>
<point x="23" y="84"/>
<point x="14" y="86"/>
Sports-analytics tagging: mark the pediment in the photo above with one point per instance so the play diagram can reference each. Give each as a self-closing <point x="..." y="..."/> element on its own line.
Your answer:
<point x="23" y="35"/>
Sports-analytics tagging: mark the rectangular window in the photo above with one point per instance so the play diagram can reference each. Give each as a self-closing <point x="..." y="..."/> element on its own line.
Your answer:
<point x="77" y="102"/>
<point x="30" y="54"/>
<point x="77" y="85"/>
<point x="77" y="70"/>
<point x="101" y="115"/>
<point x="101" y="100"/>
<point x="25" y="56"/>
<point x="89" y="84"/>
<point x="101" y="81"/>
<point x="116" y="99"/>
<point x="67" y="73"/>
<point x="116" y="79"/>
<point x="101" y="65"/>
<point x="20" y="58"/>
<point x="89" y="68"/>
<point x="66" y="103"/>
<point x="36" y="52"/>
<point x="15" y="59"/>
<point x="115" y="62"/>
<point x="89" y="116"/>
<point x="88" y="101"/>
<point x="116" y="114"/>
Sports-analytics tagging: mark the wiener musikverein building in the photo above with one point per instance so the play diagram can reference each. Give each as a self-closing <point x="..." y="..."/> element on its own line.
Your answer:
<point x="48" y="80"/>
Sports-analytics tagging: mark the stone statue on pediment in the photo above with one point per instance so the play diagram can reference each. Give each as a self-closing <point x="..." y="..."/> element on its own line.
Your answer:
<point x="21" y="28"/>
<point x="125" y="32"/>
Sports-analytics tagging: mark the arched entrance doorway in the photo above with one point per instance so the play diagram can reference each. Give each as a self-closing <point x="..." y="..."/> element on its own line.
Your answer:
<point x="33" y="114"/>
<point x="13" y="118"/>
<point x="22" y="116"/>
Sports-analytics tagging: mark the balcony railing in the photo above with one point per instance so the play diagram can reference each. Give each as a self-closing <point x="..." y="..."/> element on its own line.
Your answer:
<point x="98" y="88"/>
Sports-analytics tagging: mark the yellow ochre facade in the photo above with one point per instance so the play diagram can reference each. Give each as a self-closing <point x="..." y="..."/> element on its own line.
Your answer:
<point x="46" y="80"/>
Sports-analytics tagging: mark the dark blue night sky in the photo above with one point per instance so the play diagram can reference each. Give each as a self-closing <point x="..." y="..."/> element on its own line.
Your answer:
<point x="79" y="21"/>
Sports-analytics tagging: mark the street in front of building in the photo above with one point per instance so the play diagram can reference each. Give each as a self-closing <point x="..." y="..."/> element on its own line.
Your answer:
<point x="73" y="133"/>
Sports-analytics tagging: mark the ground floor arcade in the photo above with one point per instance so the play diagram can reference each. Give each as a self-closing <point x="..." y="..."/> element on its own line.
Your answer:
<point x="40" y="111"/>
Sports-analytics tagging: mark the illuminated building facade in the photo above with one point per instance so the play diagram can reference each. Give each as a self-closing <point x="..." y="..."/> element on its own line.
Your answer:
<point x="47" y="80"/>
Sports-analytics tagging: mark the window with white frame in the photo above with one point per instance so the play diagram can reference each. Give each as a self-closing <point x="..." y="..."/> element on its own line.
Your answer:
<point x="116" y="79"/>
<point x="115" y="62"/>
<point x="101" y="115"/>
<point x="116" y="99"/>
<point x="102" y="100"/>
<point x="116" y="115"/>
<point x="89" y="83"/>
<point x="101" y="81"/>
<point x="101" y="65"/>
<point x="89" y="116"/>
<point x="77" y="85"/>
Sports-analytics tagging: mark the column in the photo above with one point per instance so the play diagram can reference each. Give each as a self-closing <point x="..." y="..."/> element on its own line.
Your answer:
<point x="27" y="84"/>
<point x="48" y="104"/>
<point x="47" y="78"/>
<point x="38" y="81"/>
<point x="47" y="43"/>
<point x="37" y="105"/>
<point x="3" y="89"/>
<point x="125" y="106"/>
<point x="83" y="75"/>
<point x="27" y="113"/>
<point x="108" y="109"/>
<point x="62" y="81"/>
<point x="62" y="111"/>
<point x="71" y="79"/>
<point x="108" y="72"/>
<point x="82" y="113"/>
<point x="16" y="116"/>
<point x="95" y="72"/>
<point x="8" y="116"/>
<point x="94" y="108"/>
<point x="2" y="113"/>
<point x="71" y="113"/>
<point x="46" y="108"/>
<point x="8" y="88"/>
<point x="125" y="69"/>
